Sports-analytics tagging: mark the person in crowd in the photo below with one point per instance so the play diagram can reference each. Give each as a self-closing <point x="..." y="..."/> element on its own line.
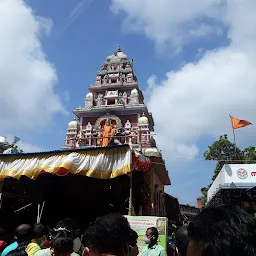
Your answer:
<point x="17" y="252"/>
<point x="39" y="236"/>
<point x="3" y="240"/>
<point x="181" y="241"/>
<point x="61" y="241"/>
<point x="109" y="235"/>
<point x="132" y="242"/>
<point x="3" y="245"/>
<point x="70" y="225"/>
<point x="23" y="236"/>
<point x="222" y="231"/>
<point x="152" y="248"/>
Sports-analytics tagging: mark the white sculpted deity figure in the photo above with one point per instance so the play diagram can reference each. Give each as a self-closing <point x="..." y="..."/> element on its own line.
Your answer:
<point x="134" y="98"/>
<point x="105" y="79"/>
<point x="122" y="77"/>
<point x="128" y="125"/>
<point x="89" y="100"/>
<point x="88" y="127"/>
<point x="100" y="99"/>
<point x="120" y="99"/>
<point x="130" y="78"/>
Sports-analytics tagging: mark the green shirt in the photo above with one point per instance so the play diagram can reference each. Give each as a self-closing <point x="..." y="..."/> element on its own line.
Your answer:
<point x="155" y="250"/>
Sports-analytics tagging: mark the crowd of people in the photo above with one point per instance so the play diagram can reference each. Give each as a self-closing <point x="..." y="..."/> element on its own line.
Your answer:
<point x="216" y="231"/>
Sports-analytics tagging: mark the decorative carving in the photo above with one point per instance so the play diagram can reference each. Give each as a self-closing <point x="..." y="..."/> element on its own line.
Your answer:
<point x="120" y="99"/>
<point x="110" y="94"/>
<point x="128" y="125"/>
<point x="110" y="117"/>
<point x="152" y="141"/>
<point x="98" y="80"/>
<point x="129" y="78"/>
<point x="134" y="99"/>
<point x="105" y="79"/>
<point x="125" y="94"/>
<point x="88" y="127"/>
<point x="121" y="77"/>
<point x="100" y="99"/>
<point x="89" y="101"/>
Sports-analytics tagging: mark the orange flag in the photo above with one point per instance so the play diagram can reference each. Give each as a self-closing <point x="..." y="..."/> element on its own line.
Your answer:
<point x="236" y="123"/>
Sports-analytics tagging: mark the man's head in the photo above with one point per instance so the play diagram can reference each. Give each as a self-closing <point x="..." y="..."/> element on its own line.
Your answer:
<point x="40" y="233"/>
<point x="151" y="236"/>
<point x="24" y="233"/>
<point x="222" y="231"/>
<point x="181" y="240"/>
<point x="109" y="235"/>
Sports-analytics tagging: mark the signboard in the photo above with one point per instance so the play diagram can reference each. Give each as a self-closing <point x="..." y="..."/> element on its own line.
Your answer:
<point x="140" y="224"/>
<point x="241" y="176"/>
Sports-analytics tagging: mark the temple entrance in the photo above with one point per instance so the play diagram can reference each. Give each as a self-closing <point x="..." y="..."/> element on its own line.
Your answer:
<point x="77" y="197"/>
<point x="80" y="198"/>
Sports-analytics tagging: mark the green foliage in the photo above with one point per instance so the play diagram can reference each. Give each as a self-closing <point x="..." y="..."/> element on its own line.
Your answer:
<point x="225" y="152"/>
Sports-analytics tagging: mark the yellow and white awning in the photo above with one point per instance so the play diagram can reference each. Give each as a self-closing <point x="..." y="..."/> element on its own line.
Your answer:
<point x="101" y="163"/>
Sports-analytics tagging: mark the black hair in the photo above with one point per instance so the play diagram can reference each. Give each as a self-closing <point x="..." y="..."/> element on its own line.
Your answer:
<point x="224" y="231"/>
<point x="2" y="232"/>
<point x="88" y="237"/>
<point x="154" y="232"/>
<point x="109" y="234"/>
<point x="133" y="238"/>
<point x="181" y="240"/>
<point x="24" y="233"/>
<point x="68" y="224"/>
<point x="4" y="236"/>
<point x="39" y="231"/>
<point x="61" y="241"/>
<point x="18" y="252"/>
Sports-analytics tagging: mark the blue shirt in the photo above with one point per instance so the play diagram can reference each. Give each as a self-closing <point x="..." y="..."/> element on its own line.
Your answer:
<point x="10" y="248"/>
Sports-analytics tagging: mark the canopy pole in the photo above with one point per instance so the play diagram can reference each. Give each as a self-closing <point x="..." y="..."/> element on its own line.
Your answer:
<point x="1" y="200"/>
<point x="38" y="213"/>
<point x="23" y="207"/>
<point x="130" y="201"/>
<point x="40" y="216"/>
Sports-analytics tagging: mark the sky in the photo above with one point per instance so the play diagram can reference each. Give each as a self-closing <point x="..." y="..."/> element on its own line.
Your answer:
<point x="195" y="62"/>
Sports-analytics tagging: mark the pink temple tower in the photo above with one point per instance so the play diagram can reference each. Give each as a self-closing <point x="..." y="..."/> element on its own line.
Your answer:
<point x="114" y="111"/>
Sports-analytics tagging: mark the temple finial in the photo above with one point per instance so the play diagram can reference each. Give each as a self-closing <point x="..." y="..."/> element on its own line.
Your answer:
<point x="119" y="49"/>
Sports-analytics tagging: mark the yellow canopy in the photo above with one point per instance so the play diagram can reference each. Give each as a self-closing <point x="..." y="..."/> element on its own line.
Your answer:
<point x="101" y="163"/>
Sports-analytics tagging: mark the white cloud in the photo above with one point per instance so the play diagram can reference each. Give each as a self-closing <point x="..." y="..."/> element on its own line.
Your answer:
<point x="197" y="98"/>
<point x="27" y="147"/>
<point x="27" y="80"/>
<point x="172" y="22"/>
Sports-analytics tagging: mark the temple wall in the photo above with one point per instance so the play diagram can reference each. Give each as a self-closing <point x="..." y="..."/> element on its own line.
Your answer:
<point x="157" y="196"/>
<point x="132" y="118"/>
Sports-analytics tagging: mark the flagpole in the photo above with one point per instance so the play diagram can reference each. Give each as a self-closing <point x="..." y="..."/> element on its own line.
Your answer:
<point x="233" y="132"/>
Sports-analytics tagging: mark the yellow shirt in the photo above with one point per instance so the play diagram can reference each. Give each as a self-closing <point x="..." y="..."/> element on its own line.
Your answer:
<point x="32" y="249"/>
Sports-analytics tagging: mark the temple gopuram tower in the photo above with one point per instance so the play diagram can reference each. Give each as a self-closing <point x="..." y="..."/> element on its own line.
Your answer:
<point x="114" y="113"/>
